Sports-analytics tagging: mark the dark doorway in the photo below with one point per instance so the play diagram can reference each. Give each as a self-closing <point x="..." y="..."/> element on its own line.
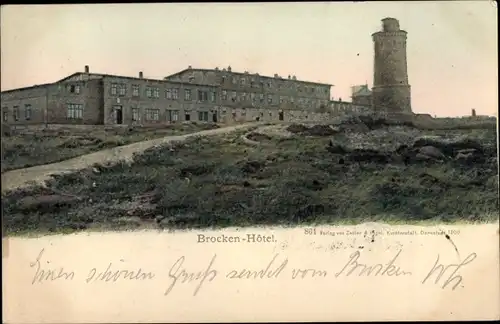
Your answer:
<point x="118" y="115"/>
<point x="187" y="116"/>
<point x="281" y="115"/>
<point x="214" y="117"/>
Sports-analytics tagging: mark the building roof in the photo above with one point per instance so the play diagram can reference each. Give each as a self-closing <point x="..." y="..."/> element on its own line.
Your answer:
<point x="359" y="91"/>
<point x="29" y="87"/>
<point x="101" y="75"/>
<point x="166" y="80"/>
<point x="243" y="73"/>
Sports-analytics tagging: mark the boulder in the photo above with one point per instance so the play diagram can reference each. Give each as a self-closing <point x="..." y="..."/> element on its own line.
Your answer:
<point x="296" y="128"/>
<point x="335" y="148"/>
<point x="431" y="151"/>
<point x="321" y="130"/>
<point x="464" y="156"/>
<point x="466" y="151"/>
<point x="423" y="157"/>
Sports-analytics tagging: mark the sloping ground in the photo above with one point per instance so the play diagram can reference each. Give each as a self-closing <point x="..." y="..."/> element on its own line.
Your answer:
<point x="38" y="146"/>
<point x="38" y="174"/>
<point x="348" y="172"/>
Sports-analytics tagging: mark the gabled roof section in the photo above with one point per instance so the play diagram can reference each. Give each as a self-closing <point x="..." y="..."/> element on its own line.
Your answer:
<point x="360" y="91"/>
<point x="102" y="76"/>
<point x="28" y="88"/>
<point x="242" y="73"/>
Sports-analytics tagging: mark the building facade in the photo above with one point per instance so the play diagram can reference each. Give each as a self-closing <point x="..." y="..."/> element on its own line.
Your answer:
<point x="101" y="99"/>
<point x="251" y="90"/>
<point x="219" y="96"/>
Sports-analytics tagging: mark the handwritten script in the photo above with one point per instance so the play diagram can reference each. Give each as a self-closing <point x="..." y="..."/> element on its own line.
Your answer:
<point x="356" y="265"/>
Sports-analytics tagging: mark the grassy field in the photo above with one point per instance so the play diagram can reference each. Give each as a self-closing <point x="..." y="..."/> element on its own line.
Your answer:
<point x="352" y="174"/>
<point x="22" y="151"/>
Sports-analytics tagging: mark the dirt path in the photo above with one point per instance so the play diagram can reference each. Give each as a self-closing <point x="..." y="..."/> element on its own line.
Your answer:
<point x="39" y="174"/>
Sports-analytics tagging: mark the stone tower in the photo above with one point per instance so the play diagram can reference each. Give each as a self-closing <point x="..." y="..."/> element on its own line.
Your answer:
<point x="391" y="91"/>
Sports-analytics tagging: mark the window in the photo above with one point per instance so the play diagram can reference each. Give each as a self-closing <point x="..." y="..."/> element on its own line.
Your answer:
<point x="5" y="114"/>
<point x="16" y="113"/>
<point x="292" y="100"/>
<point x="74" y="88"/>
<point x="187" y="94"/>
<point x="172" y="115"/>
<point x="282" y="99"/>
<point x="152" y="92"/>
<point x="252" y="97"/>
<point x="122" y="89"/>
<point x="242" y="81"/>
<point x="244" y="96"/>
<point x="202" y="95"/>
<point x="27" y="112"/>
<point x="243" y="112"/>
<point x="213" y="96"/>
<point x="152" y="114"/>
<point x="168" y="94"/>
<point x="203" y="115"/>
<point x="187" y="116"/>
<point x="269" y="84"/>
<point x="269" y="99"/>
<point x="235" y="80"/>
<point x="75" y="111"/>
<point x="114" y="88"/>
<point x="135" y="90"/>
<point x="224" y="95"/>
<point x="233" y="96"/>
<point x="136" y="115"/>
<point x="175" y="94"/>
<point x="261" y="97"/>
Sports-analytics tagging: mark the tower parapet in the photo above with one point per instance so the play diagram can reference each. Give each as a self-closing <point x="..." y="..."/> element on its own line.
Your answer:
<point x="391" y="90"/>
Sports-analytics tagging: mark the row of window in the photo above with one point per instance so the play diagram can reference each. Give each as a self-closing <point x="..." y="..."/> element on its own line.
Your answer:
<point x="173" y="94"/>
<point x="171" y="115"/>
<point x="17" y="113"/>
<point x="244" y="81"/>
<point x="262" y="98"/>
<point x="154" y="92"/>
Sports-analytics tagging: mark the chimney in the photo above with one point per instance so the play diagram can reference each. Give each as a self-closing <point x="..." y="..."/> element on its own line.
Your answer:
<point x="140" y="75"/>
<point x="294" y="77"/>
<point x="217" y="69"/>
<point x="86" y="69"/>
<point x="189" y="67"/>
<point x="229" y="68"/>
<point x="289" y="77"/>
<point x="275" y="75"/>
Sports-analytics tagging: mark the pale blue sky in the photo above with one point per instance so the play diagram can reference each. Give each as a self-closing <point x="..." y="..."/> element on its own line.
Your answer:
<point x="452" y="45"/>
